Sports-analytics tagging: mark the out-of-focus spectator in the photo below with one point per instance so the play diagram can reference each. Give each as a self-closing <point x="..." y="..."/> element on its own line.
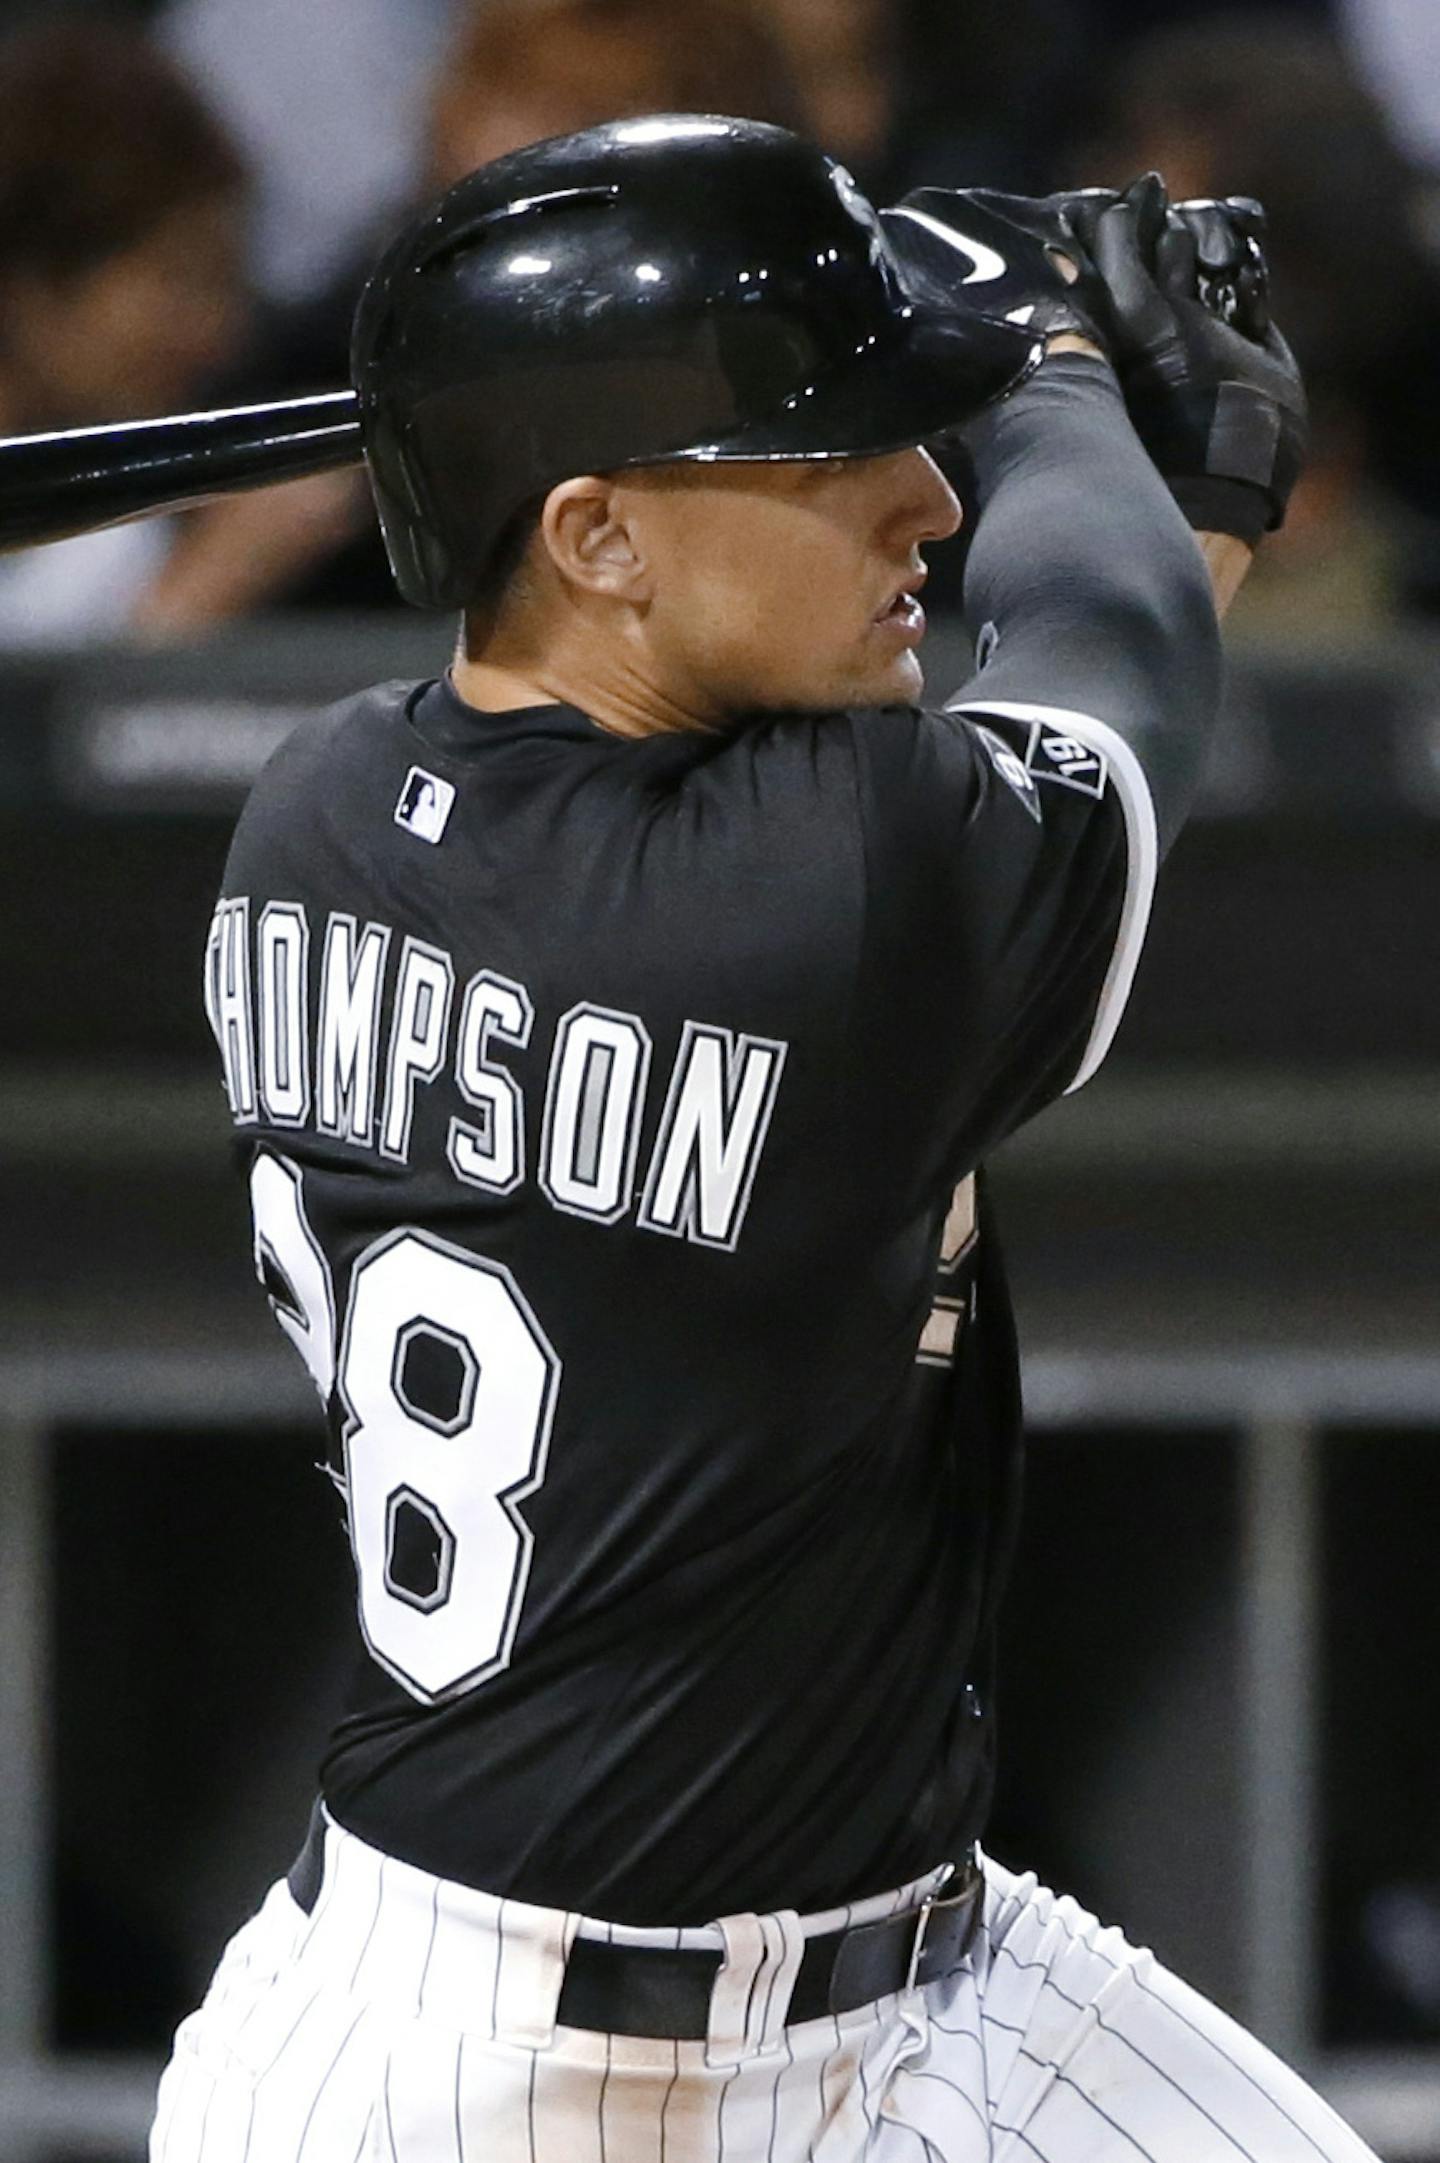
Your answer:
<point x="328" y="103"/>
<point x="945" y="93"/>
<point x="525" y="69"/>
<point x="120" y="230"/>
<point x="985" y="88"/>
<point x="120" y="284"/>
<point x="122" y="295"/>
<point x="847" y="60"/>
<point x="1265" y="106"/>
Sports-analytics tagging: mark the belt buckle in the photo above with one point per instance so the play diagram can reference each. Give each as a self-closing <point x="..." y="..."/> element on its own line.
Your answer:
<point x="922" y="1923"/>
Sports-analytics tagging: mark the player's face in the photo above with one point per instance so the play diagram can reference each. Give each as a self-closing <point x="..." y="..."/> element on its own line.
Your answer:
<point x="791" y="584"/>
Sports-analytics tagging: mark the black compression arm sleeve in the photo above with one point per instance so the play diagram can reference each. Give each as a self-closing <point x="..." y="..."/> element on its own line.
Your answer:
<point x="1099" y="598"/>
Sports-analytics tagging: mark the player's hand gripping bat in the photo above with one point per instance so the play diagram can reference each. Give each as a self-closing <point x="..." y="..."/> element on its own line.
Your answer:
<point x="1176" y="294"/>
<point x="1212" y="388"/>
<point x="76" y="479"/>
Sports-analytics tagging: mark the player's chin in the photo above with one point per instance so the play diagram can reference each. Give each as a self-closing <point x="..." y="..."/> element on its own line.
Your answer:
<point x="874" y="674"/>
<point x="897" y="681"/>
<point x="892" y="662"/>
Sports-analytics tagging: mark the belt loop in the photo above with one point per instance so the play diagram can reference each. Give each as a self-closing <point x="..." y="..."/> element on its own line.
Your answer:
<point x="532" y="1947"/>
<point x="750" y="1999"/>
<point x="943" y="1876"/>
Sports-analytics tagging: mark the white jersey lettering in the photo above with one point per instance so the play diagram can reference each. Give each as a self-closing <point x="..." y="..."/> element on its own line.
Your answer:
<point x="417" y="1038"/>
<point x="289" y="1061"/>
<point x="717" y="1114"/>
<point x="351" y="980"/>
<point x="593" y="1104"/>
<point x="280" y="983"/>
<point x="227" y="1002"/>
<point x="490" y="1152"/>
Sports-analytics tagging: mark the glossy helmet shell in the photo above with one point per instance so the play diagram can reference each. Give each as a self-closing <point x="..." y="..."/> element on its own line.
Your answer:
<point x="682" y="287"/>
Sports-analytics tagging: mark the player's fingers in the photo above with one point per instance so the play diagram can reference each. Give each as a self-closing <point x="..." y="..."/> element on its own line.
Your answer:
<point x="1080" y="208"/>
<point x="1220" y="249"/>
<point x="1175" y="260"/>
<point x="1218" y="241"/>
<point x="1136" y="299"/>
<point x="1248" y="215"/>
<point x="1147" y="199"/>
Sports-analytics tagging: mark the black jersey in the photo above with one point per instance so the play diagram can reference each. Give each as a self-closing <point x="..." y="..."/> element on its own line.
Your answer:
<point x="610" y="1108"/>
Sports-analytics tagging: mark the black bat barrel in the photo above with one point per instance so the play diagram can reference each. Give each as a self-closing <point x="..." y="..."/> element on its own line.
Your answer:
<point x="76" y="479"/>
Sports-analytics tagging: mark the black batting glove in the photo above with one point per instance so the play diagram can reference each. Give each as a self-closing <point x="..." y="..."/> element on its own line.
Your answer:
<point x="1210" y="384"/>
<point x="1003" y="253"/>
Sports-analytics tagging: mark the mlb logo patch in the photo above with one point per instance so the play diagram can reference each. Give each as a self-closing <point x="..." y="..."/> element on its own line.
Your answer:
<point x="1054" y="756"/>
<point x="425" y="804"/>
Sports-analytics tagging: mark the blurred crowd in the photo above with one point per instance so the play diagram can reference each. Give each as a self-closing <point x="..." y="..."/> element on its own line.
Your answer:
<point x="192" y="192"/>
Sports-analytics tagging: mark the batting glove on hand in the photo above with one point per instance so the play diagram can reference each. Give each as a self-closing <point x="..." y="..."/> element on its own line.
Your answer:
<point x="1211" y="386"/>
<point x="1008" y="254"/>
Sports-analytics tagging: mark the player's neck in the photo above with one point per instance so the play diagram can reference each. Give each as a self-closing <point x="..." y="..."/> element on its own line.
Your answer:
<point x="603" y="684"/>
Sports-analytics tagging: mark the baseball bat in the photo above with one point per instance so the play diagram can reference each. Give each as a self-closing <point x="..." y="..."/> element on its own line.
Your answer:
<point x="76" y="479"/>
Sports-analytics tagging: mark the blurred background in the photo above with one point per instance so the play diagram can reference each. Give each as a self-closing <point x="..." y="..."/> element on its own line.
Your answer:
<point x="1224" y="1638"/>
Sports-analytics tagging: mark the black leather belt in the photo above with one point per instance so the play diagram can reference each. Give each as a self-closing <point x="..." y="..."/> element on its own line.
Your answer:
<point x="654" y="1991"/>
<point x="640" y="1990"/>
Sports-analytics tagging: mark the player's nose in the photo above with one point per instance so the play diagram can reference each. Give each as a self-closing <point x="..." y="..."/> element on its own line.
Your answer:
<point x="925" y="498"/>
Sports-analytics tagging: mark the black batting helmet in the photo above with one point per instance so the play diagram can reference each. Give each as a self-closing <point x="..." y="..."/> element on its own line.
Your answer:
<point x="682" y="287"/>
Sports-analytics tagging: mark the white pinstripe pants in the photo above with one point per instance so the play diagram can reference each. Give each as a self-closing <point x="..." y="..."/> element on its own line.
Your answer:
<point x="413" y="2021"/>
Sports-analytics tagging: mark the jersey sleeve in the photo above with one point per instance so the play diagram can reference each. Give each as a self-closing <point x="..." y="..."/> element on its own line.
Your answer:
<point x="1010" y="865"/>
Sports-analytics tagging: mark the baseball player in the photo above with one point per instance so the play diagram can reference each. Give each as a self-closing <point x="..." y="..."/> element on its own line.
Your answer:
<point x="612" y="1029"/>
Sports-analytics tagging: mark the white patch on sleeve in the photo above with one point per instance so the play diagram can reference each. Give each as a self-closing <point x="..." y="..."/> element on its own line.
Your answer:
<point x="1011" y="768"/>
<point x="1061" y="739"/>
<point x="1059" y="755"/>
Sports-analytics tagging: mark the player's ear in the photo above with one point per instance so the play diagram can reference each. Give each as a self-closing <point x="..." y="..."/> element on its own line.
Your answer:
<point x="589" y="533"/>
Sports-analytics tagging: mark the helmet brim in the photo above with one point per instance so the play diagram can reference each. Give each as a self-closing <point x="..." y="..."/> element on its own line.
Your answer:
<point x="925" y="377"/>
